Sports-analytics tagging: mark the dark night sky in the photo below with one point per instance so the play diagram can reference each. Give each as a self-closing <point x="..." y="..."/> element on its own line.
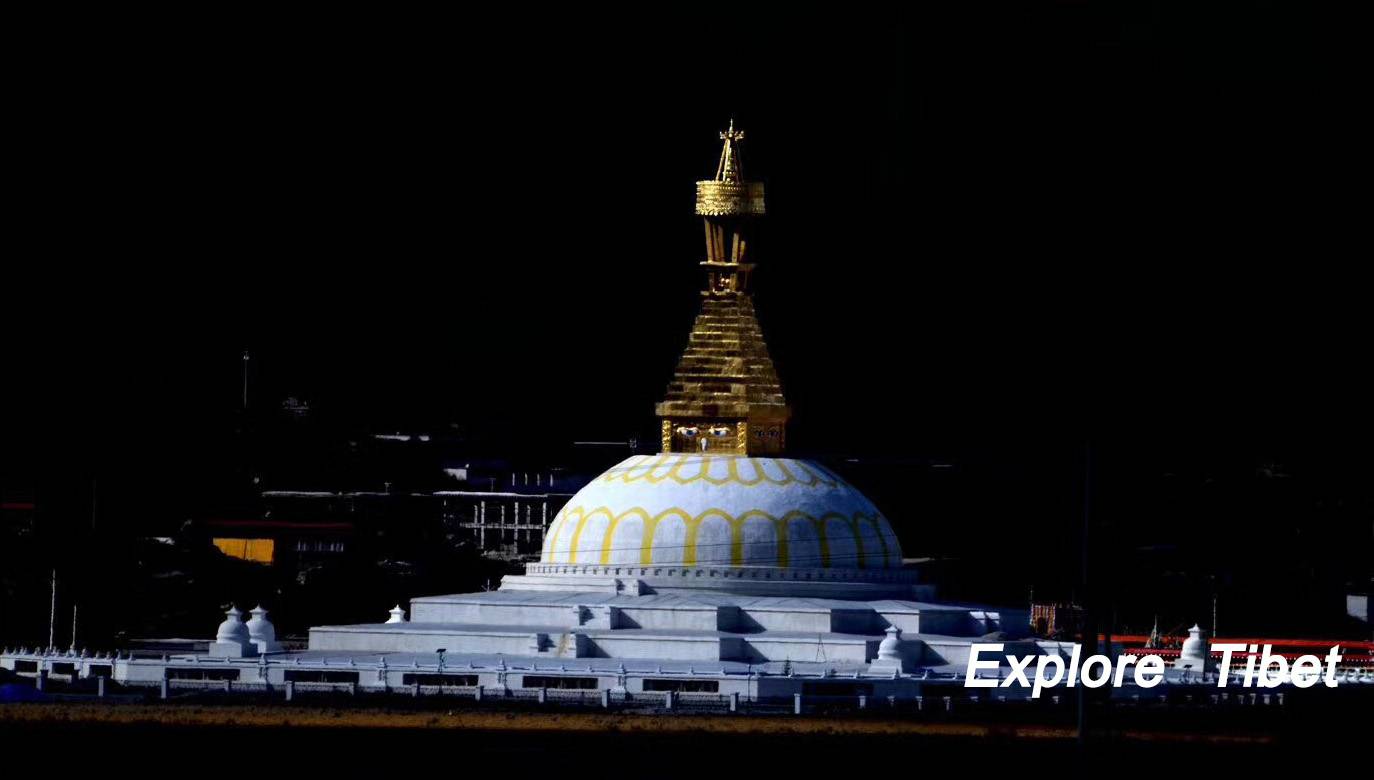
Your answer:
<point x="993" y="232"/>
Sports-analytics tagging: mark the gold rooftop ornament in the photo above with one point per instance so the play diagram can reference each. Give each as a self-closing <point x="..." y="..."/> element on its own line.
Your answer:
<point x="725" y="396"/>
<point x="729" y="195"/>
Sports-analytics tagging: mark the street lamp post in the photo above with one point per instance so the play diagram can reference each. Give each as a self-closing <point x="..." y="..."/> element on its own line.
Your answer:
<point x="245" y="379"/>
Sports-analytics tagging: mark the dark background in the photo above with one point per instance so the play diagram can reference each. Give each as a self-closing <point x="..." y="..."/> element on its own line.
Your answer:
<point x="997" y="236"/>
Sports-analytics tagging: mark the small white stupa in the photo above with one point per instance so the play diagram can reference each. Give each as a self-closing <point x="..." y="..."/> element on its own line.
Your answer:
<point x="1194" y="655"/>
<point x="398" y="615"/>
<point x="232" y="639"/>
<point x="261" y="631"/>
<point x="890" y="650"/>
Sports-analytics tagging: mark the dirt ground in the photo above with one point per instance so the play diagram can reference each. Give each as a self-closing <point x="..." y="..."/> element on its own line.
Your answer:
<point x="232" y="715"/>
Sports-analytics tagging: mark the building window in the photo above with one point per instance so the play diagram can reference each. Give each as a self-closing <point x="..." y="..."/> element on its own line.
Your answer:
<point x="541" y="681"/>
<point x="682" y="686"/>
<point x="318" y="546"/>
<point x="320" y="675"/>
<point x="469" y="680"/>
<point x="101" y="670"/>
<point x="64" y="669"/>
<point x="25" y="666"/>
<point x="202" y="674"/>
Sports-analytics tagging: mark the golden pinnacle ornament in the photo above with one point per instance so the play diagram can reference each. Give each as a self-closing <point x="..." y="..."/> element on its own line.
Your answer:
<point x="725" y="396"/>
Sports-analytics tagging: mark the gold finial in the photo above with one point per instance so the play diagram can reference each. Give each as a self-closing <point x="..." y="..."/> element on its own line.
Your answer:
<point x="728" y="194"/>
<point x="730" y="167"/>
<point x="725" y="396"/>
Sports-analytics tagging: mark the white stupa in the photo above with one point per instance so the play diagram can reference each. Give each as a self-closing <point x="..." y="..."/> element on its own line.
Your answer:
<point x="717" y="549"/>
<point x="1194" y="655"/>
<point x="232" y="639"/>
<point x="717" y="565"/>
<point x="261" y="631"/>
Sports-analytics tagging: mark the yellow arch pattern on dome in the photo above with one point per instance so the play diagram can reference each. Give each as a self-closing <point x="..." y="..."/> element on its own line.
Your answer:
<point x="693" y="523"/>
<point x="651" y="472"/>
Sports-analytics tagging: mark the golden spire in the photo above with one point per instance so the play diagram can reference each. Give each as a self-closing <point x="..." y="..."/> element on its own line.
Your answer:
<point x="731" y="168"/>
<point x="725" y="396"/>
<point x="728" y="194"/>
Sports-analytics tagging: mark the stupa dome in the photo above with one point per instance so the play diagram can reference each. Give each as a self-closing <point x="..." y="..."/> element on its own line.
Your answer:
<point x="890" y="649"/>
<point x="721" y="510"/>
<point x="259" y="627"/>
<point x="261" y="631"/>
<point x="233" y="629"/>
<point x="1195" y="646"/>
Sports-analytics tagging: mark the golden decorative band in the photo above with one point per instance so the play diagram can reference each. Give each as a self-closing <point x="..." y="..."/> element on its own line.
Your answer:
<point x="669" y="466"/>
<point x="693" y="523"/>
<point x="729" y="198"/>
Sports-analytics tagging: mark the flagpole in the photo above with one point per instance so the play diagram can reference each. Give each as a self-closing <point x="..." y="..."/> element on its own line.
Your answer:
<point x="52" y="611"/>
